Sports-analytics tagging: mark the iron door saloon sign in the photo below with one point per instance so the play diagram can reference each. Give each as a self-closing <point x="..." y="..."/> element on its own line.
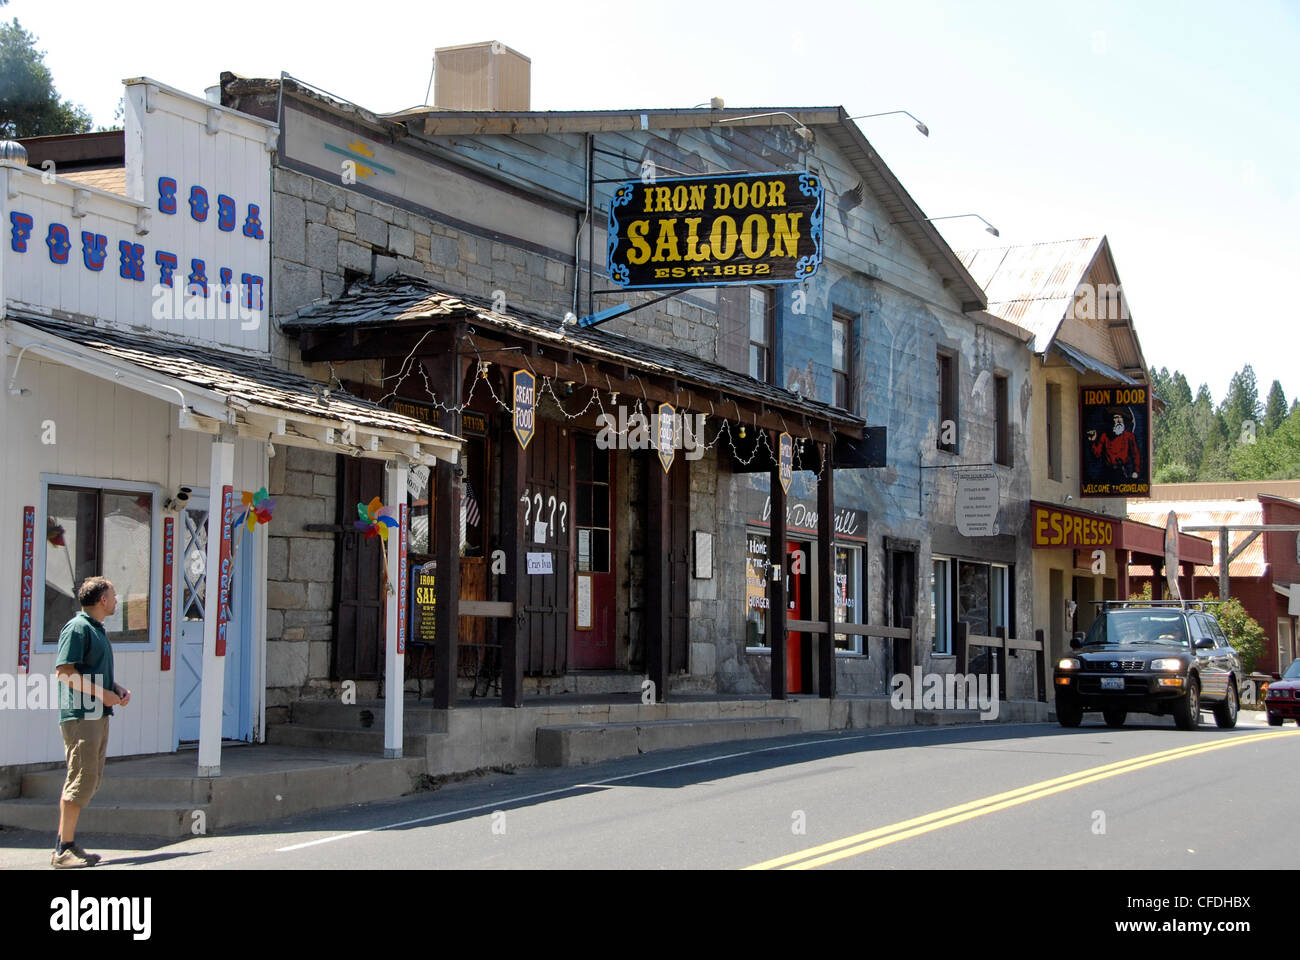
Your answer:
<point x="716" y="231"/>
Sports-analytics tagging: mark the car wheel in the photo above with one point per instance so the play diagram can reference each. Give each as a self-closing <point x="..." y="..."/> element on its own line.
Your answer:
<point x="1115" y="717"/>
<point x="1225" y="714"/>
<point x="1276" y="721"/>
<point x="1187" y="712"/>
<point x="1069" y="714"/>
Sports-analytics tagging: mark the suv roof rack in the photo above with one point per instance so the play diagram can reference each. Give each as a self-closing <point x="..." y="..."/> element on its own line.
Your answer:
<point x="1138" y="602"/>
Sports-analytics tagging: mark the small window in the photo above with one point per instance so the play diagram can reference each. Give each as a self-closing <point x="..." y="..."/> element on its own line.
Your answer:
<point x="757" y="569"/>
<point x="848" y="596"/>
<point x="946" y="435"/>
<point x="1002" y="426"/>
<point x="941" y="604"/>
<point x="761" y="309"/>
<point x="842" y="352"/>
<point x="1054" y="431"/>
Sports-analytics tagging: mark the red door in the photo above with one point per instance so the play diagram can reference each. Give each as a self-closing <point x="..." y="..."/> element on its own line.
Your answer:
<point x="592" y="630"/>
<point x="795" y="598"/>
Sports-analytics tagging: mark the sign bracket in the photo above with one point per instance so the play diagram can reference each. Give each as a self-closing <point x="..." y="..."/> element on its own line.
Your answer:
<point x="920" y="480"/>
<point x="622" y="308"/>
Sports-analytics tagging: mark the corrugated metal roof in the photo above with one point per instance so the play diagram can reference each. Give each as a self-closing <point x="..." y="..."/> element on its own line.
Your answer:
<point x="400" y="298"/>
<point x="112" y="179"/>
<point x="250" y="379"/>
<point x="1250" y="563"/>
<point x="1083" y="363"/>
<point x="1032" y="285"/>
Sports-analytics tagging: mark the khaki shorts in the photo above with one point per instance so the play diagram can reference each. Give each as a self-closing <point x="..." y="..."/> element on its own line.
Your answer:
<point x="85" y="743"/>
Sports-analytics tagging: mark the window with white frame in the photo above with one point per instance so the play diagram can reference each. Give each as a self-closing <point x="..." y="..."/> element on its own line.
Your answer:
<point x="941" y="604"/>
<point x="99" y="531"/>
<point x="757" y="565"/>
<point x="848" y="595"/>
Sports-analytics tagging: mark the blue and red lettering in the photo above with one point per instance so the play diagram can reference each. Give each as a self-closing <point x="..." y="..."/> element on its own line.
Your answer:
<point x="166" y="195"/>
<point x="227" y="281"/>
<point x="166" y="266"/>
<point x="253" y="223"/>
<point x="225" y="213"/>
<point x="198" y="204"/>
<point x="59" y="242"/>
<point x="22" y="229"/>
<point x="198" y="279"/>
<point x="132" y="256"/>
<point x="94" y="250"/>
<point x="252" y="289"/>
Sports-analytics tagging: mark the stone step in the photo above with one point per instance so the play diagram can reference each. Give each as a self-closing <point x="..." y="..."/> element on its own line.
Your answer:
<point x="573" y="744"/>
<point x="369" y="742"/>
<point x="140" y="819"/>
<point x="945" y="718"/>
<point x="47" y="786"/>
<point x="366" y="715"/>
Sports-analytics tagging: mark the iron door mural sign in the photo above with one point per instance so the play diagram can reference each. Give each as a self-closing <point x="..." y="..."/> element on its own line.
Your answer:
<point x="716" y="231"/>
<point x="785" y="448"/>
<point x="666" y="435"/>
<point x="525" y="406"/>
<point x="1115" y="441"/>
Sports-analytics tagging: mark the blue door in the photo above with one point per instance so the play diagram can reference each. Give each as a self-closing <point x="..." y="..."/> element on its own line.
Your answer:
<point x="237" y="712"/>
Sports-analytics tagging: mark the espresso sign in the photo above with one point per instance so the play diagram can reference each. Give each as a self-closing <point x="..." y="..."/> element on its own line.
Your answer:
<point x="716" y="231"/>
<point x="1116" y="442"/>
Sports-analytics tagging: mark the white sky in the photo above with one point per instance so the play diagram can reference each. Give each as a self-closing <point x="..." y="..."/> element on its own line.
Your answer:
<point x="1171" y="128"/>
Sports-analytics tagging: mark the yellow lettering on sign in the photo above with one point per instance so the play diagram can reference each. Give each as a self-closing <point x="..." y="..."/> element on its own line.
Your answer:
<point x="666" y="247"/>
<point x="723" y="238"/>
<point x="785" y="230"/>
<point x="636" y="232"/>
<point x="693" y="251"/>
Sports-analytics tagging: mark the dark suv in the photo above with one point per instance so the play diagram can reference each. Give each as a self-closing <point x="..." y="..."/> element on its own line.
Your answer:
<point x="1161" y="657"/>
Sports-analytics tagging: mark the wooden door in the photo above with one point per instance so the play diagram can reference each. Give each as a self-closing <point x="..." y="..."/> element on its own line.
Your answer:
<point x="548" y="531"/>
<point x="679" y="533"/>
<point x="593" y="633"/>
<point x="358" y="580"/>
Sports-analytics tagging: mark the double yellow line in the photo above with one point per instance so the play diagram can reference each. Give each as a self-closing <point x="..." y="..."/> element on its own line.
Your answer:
<point x="883" y="836"/>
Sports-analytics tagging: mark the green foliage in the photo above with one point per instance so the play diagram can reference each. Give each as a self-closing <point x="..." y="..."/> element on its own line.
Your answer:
<point x="1275" y="409"/>
<point x="29" y="104"/>
<point x="1244" y="632"/>
<point x="1273" y="456"/>
<point x="1175" y="472"/>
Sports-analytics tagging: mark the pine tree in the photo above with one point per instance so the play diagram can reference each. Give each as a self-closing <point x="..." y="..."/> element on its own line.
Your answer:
<point x="1275" y="409"/>
<point x="29" y="104"/>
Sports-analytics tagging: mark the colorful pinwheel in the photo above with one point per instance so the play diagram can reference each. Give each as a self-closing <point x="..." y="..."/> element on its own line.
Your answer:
<point x="375" y="521"/>
<point x="257" y="509"/>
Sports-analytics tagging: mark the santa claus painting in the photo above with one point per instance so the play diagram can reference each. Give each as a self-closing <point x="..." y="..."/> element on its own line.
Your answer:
<point x="1117" y="452"/>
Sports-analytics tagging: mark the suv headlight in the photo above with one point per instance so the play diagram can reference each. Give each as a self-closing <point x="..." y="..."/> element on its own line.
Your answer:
<point x="1170" y="663"/>
<point x="1067" y="664"/>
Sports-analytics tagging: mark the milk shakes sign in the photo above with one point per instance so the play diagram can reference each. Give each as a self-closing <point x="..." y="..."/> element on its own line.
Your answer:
<point x="525" y="406"/>
<point x="1115" y="446"/>
<point x="713" y="231"/>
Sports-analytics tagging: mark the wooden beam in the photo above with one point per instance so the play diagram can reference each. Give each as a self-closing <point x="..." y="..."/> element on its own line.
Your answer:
<point x="658" y="584"/>
<point x="512" y="632"/>
<point x="776" y="608"/>
<point x="826" y="575"/>
<point x="445" y="380"/>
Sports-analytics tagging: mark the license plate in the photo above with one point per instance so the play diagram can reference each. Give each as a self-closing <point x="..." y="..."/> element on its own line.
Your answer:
<point x="1112" y="683"/>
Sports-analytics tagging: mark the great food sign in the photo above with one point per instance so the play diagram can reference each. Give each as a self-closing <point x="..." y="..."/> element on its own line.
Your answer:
<point x="715" y="231"/>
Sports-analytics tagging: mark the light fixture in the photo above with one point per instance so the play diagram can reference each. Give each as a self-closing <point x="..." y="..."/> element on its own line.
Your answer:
<point x="742" y="431"/>
<point x="988" y="227"/>
<point x="921" y="127"/>
<point x="270" y="447"/>
<point x="613" y="398"/>
<point x="802" y="130"/>
<point x="570" y="318"/>
<point x="483" y="368"/>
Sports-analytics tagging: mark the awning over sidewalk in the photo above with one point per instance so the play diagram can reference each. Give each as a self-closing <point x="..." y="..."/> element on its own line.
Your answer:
<point x="215" y="388"/>
<point x="1053" y="527"/>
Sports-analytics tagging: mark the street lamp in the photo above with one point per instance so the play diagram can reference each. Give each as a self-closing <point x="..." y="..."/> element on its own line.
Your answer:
<point x="921" y="127"/>
<point x="988" y="227"/>
<point x="801" y="129"/>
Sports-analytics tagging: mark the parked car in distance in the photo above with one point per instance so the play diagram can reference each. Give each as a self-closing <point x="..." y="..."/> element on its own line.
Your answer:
<point x="1283" y="699"/>
<point x="1156" y="657"/>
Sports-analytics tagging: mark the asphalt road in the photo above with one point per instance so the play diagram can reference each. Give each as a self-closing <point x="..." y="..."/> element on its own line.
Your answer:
<point x="995" y="796"/>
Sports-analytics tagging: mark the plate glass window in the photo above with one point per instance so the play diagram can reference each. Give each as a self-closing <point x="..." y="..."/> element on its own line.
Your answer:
<point x="760" y="333"/>
<point x="947" y="393"/>
<point x="592" y="492"/>
<point x="92" y="532"/>
<point x="756" y="576"/>
<point x="941" y="604"/>
<point x="848" y="606"/>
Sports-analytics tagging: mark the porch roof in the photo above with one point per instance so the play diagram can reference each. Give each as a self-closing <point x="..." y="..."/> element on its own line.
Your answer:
<point x="412" y="302"/>
<point x="218" y="388"/>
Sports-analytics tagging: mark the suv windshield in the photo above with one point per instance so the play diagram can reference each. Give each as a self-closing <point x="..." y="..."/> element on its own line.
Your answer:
<point x="1293" y="671"/>
<point x="1134" y="627"/>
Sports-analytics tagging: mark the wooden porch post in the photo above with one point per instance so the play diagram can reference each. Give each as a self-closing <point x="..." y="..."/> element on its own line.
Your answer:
<point x="1121" y="574"/>
<point x="512" y="631"/>
<point x="220" y="516"/>
<point x="394" y="658"/>
<point x="826" y="568"/>
<point x="657" y="582"/>
<point x="776" y="604"/>
<point x="446" y="378"/>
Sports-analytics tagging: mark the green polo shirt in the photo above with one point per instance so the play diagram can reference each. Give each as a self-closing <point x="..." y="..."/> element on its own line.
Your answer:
<point x="84" y="644"/>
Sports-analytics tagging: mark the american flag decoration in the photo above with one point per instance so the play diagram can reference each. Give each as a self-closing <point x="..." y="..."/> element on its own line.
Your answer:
<point x="469" y="512"/>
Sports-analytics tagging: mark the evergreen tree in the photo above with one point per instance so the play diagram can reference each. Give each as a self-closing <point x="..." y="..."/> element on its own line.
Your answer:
<point x="29" y="104"/>
<point x="1275" y="456"/>
<point x="1241" y="403"/>
<point x="1275" y="409"/>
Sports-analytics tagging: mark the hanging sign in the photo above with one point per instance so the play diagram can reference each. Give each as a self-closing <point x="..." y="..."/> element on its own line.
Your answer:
<point x="168" y="590"/>
<point x="525" y="404"/>
<point x="666" y="435"/>
<point x="25" y="590"/>
<point x="424" y="602"/>
<point x="224" y="566"/>
<point x="716" y="231"/>
<point x="977" y="503"/>
<point x="785" y="453"/>
<point x="1115" y="446"/>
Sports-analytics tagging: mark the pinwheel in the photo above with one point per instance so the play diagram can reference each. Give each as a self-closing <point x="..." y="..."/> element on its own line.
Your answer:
<point x="257" y="509"/>
<point x="375" y="521"/>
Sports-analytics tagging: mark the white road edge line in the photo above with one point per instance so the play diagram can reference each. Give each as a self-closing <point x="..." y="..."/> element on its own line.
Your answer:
<point x="498" y="804"/>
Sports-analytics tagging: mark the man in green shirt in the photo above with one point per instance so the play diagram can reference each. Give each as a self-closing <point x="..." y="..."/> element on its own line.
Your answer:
<point x="87" y="695"/>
